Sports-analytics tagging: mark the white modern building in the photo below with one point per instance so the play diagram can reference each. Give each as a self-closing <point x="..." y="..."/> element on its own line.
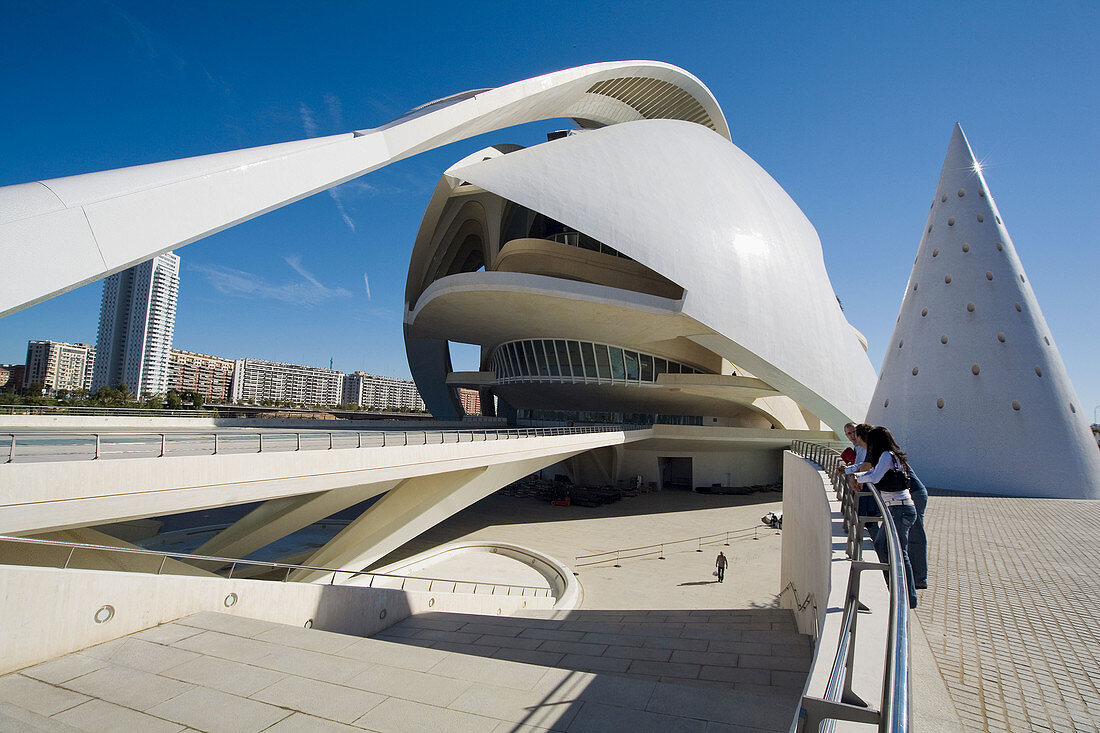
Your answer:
<point x="136" y="320"/>
<point x="255" y="380"/>
<point x="381" y="393"/>
<point x="57" y="366"/>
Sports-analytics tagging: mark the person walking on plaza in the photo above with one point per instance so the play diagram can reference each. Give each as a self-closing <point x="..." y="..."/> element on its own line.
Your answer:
<point x="721" y="564"/>
<point x="890" y="476"/>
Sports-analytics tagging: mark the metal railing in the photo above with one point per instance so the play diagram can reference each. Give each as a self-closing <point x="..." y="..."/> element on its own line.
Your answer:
<point x="631" y="553"/>
<point x="102" y="411"/>
<point x="221" y="562"/>
<point x="98" y="445"/>
<point x="839" y="701"/>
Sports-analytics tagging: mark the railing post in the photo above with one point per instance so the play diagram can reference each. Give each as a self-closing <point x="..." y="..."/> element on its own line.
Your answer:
<point x="11" y="451"/>
<point x="163" y="559"/>
<point x="330" y="441"/>
<point x="359" y="438"/>
<point x="96" y="456"/>
<point x="162" y="440"/>
<point x="261" y="450"/>
<point x="298" y="441"/>
<point x="232" y="567"/>
<point x="215" y="444"/>
<point x="69" y="558"/>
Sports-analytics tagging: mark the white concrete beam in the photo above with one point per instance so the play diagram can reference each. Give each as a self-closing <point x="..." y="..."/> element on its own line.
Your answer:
<point x="278" y="518"/>
<point x="411" y="508"/>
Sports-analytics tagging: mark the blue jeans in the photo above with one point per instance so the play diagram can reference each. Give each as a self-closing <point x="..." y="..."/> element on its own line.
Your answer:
<point x="904" y="516"/>
<point x="918" y="541"/>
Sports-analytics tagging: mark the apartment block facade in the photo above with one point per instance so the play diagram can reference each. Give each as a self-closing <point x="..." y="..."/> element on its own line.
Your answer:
<point x="381" y="393"/>
<point x="57" y="365"/>
<point x="255" y="380"/>
<point x="209" y="376"/>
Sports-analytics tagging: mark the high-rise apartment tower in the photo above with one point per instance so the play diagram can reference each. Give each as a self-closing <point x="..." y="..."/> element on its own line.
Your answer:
<point x="136" y="320"/>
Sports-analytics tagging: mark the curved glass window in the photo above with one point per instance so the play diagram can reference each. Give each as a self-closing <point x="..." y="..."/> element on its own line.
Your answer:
<point x="603" y="362"/>
<point x="631" y="358"/>
<point x="578" y="361"/>
<point x="575" y="359"/>
<point x="618" y="371"/>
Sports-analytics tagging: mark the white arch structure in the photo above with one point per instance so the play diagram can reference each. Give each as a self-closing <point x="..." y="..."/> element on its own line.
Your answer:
<point x="89" y="226"/>
<point x="92" y="225"/>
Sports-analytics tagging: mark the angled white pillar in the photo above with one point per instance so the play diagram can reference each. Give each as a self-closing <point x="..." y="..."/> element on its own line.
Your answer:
<point x="972" y="384"/>
<point x="407" y="510"/>
<point x="278" y="518"/>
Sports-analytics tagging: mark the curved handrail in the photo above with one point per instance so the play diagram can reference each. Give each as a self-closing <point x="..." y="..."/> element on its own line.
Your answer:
<point x="895" y="710"/>
<point x="536" y="591"/>
<point x="644" y="550"/>
<point x="255" y="440"/>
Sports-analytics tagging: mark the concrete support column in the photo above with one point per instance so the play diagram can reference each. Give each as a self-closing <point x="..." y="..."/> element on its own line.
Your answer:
<point x="409" y="509"/>
<point x="277" y="518"/>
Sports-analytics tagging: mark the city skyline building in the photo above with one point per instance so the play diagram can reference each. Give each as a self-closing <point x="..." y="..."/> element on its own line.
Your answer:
<point x="209" y="376"/>
<point x="375" y="392"/>
<point x="255" y="380"/>
<point x="57" y="366"/>
<point x="136" y="321"/>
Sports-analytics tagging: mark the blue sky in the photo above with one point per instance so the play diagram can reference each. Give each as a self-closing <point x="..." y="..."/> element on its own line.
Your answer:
<point x="848" y="106"/>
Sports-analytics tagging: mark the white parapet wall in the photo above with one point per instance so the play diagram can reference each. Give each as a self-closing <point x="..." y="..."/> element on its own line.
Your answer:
<point x="49" y="612"/>
<point x="815" y="564"/>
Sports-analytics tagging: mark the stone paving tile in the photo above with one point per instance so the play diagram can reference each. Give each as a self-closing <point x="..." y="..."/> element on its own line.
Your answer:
<point x="302" y="723"/>
<point x="394" y="654"/>
<point x="166" y="633"/>
<point x="15" y="719"/>
<point x="410" y="685"/>
<point x="227" y="623"/>
<point x="129" y="687"/>
<point x="322" y="699"/>
<point x="491" y="671"/>
<point x="746" y="708"/>
<point x="226" y="646"/>
<point x="222" y="674"/>
<point x="139" y="654"/>
<point x="301" y="638"/>
<point x="508" y="642"/>
<point x="219" y="712"/>
<point x="530" y="656"/>
<point x="315" y="665"/>
<point x="98" y="716"/>
<point x="596" y="718"/>
<point x="517" y="706"/>
<point x="1007" y="612"/>
<point x="64" y="668"/>
<point x="402" y="716"/>
<point x="37" y="697"/>
<point x="594" y="664"/>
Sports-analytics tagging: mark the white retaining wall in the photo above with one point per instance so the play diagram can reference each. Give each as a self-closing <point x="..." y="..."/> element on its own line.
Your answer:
<point x="49" y="612"/>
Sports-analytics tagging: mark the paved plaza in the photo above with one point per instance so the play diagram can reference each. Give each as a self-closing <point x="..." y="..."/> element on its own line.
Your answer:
<point x="1005" y="637"/>
<point x="1011" y="612"/>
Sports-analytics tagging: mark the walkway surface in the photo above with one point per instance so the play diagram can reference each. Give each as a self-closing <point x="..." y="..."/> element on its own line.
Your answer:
<point x="657" y="645"/>
<point x="1011" y="611"/>
<point x="220" y="673"/>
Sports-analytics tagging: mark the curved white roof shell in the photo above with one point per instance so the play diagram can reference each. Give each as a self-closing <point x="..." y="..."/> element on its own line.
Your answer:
<point x="972" y="384"/>
<point x="688" y="204"/>
<point x="89" y="226"/>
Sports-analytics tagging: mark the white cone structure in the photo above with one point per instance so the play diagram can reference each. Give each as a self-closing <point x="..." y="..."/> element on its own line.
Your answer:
<point x="972" y="384"/>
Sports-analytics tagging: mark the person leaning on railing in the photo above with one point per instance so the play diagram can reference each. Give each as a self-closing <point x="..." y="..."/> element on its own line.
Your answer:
<point x="857" y="434"/>
<point x="890" y="475"/>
